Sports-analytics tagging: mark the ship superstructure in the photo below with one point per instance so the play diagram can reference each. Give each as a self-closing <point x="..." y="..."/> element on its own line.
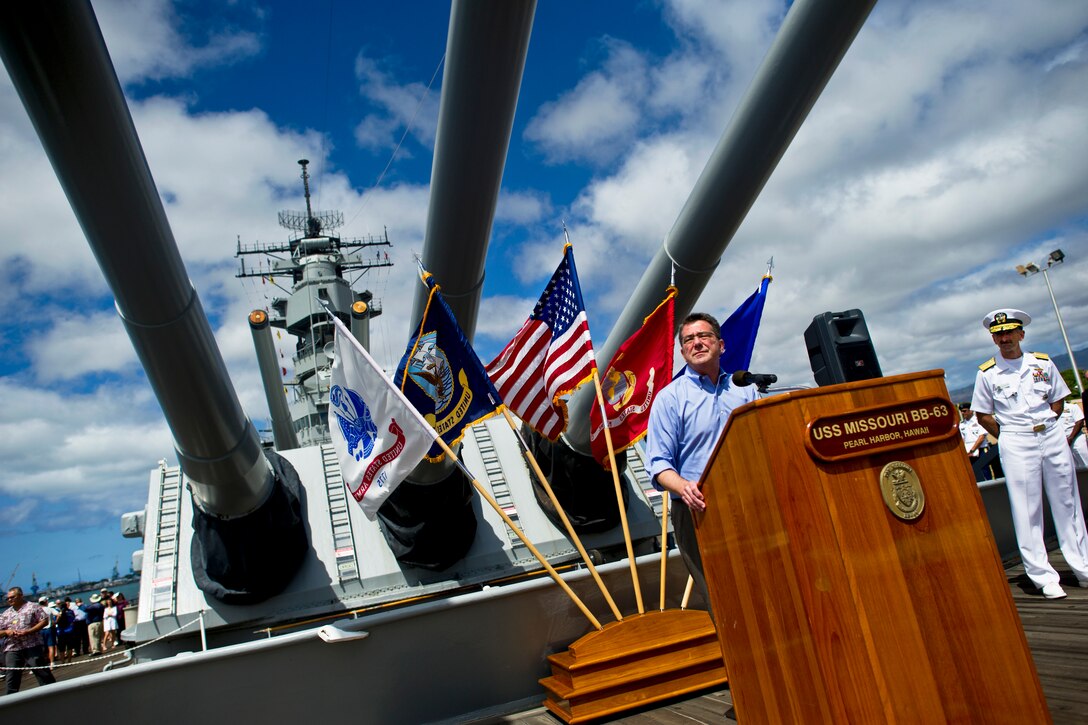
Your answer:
<point x="315" y="263"/>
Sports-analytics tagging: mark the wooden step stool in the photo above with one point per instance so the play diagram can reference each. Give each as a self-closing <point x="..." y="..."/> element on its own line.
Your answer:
<point x="639" y="660"/>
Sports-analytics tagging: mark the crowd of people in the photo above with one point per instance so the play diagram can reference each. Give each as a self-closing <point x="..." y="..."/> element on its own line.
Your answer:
<point x="48" y="633"/>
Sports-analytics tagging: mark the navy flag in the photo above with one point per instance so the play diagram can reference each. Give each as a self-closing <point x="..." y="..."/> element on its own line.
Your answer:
<point x="441" y="375"/>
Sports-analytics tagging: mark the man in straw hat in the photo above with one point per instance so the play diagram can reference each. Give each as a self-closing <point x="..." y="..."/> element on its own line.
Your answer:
<point x="95" y="612"/>
<point x="1018" y="398"/>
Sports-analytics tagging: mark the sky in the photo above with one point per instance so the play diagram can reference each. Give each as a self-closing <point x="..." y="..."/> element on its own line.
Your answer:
<point x="947" y="149"/>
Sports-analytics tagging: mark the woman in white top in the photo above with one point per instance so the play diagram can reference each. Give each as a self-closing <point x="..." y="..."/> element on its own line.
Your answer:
<point x="109" y="625"/>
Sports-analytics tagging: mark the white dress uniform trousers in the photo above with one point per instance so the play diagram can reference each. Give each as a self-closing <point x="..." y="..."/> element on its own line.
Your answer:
<point x="1035" y="457"/>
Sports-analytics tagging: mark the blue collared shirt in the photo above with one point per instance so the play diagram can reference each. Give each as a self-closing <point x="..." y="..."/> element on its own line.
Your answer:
<point x="686" y="420"/>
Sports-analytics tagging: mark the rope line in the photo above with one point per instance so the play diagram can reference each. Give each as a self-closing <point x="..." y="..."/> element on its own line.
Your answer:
<point x="103" y="657"/>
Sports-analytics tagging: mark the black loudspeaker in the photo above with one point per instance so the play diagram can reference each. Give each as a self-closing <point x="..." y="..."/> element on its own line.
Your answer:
<point x="839" y="348"/>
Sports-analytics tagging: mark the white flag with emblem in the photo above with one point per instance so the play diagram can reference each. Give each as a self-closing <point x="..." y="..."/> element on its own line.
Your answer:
<point x="379" y="437"/>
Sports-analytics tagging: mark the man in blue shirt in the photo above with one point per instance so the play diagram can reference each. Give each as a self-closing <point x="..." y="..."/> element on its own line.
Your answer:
<point x="686" y="420"/>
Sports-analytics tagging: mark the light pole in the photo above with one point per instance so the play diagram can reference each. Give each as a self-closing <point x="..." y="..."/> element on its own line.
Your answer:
<point x="1026" y="270"/>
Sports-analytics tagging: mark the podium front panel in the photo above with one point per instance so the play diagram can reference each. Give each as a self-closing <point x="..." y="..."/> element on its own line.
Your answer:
<point x="830" y="606"/>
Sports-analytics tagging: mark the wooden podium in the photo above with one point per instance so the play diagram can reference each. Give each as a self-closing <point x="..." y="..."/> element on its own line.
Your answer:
<point x="851" y="569"/>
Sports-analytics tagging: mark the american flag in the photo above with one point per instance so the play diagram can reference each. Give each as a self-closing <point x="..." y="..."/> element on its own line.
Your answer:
<point x="551" y="355"/>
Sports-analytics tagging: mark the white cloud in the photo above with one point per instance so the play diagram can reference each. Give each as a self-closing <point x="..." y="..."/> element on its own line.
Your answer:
<point x="79" y="345"/>
<point x="145" y="42"/>
<point x="524" y="208"/>
<point x="411" y="106"/>
<point x="16" y="515"/>
<point x="31" y="201"/>
<point x="639" y="203"/>
<point x="80" y="449"/>
<point x="595" y="119"/>
<point x="737" y="31"/>
<point x="501" y="316"/>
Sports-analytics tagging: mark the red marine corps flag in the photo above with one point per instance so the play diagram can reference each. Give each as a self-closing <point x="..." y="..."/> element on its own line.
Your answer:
<point x="640" y="368"/>
<point x="378" y="436"/>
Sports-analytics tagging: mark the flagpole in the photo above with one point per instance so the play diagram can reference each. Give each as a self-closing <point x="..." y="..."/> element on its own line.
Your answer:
<point x="629" y="435"/>
<point x="664" y="541"/>
<point x="619" y="492"/>
<point x="665" y="498"/>
<point x="563" y="516"/>
<point x="514" y="527"/>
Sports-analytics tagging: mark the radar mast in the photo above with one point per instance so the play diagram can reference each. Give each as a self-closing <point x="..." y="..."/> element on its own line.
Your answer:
<point x="315" y="262"/>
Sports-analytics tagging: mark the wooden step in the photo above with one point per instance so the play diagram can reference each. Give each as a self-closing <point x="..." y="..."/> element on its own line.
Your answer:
<point x="582" y="707"/>
<point x="635" y="635"/>
<point x="632" y="668"/>
<point x="642" y="659"/>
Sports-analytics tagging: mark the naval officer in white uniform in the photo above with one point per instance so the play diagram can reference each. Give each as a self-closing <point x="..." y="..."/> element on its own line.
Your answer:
<point x="1018" y="398"/>
<point x="1072" y="421"/>
<point x="972" y="433"/>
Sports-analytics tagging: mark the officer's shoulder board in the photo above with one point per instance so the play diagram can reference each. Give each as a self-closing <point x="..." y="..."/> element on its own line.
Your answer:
<point x="988" y="364"/>
<point x="1041" y="356"/>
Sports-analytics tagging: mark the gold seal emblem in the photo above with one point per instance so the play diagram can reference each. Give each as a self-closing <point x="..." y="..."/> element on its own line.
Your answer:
<point x="902" y="491"/>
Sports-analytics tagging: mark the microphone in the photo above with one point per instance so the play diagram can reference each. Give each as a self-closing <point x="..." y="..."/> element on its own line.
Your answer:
<point x="761" y="381"/>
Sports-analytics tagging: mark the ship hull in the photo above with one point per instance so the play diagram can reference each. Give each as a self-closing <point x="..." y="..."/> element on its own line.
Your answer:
<point x="448" y="660"/>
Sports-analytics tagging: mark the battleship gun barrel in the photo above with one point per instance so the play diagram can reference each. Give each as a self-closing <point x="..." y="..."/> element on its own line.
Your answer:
<point x="62" y="71"/>
<point x="813" y="39"/>
<point x="486" y="47"/>
<point x="360" y="322"/>
<point x="429" y="520"/>
<point x="283" y="433"/>
<point x="247" y="527"/>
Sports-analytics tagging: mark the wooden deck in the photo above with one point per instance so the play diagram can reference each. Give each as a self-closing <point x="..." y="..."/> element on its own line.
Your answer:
<point x="79" y="666"/>
<point x="1057" y="632"/>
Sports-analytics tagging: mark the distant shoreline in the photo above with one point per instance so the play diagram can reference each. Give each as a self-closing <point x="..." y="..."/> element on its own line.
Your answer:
<point x="129" y="586"/>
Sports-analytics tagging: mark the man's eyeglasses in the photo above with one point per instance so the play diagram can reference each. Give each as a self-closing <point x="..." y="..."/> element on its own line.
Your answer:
<point x="706" y="336"/>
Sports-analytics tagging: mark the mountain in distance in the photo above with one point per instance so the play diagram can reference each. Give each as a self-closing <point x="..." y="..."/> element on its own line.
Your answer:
<point x="963" y="395"/>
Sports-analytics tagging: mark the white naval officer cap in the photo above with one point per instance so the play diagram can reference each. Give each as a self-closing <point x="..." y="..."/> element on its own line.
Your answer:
<point x="1005" y="319"/>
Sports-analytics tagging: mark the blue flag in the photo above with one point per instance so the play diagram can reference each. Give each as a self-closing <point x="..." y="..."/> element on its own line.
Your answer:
<point x="441" y="375"/>
<point x="739" y="331"/>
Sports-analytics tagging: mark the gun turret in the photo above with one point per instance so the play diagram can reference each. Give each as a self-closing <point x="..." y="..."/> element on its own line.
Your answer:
<point x="485" y="55"/>
<point x="283" y="434"/>
<point x="249" y="537"/>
